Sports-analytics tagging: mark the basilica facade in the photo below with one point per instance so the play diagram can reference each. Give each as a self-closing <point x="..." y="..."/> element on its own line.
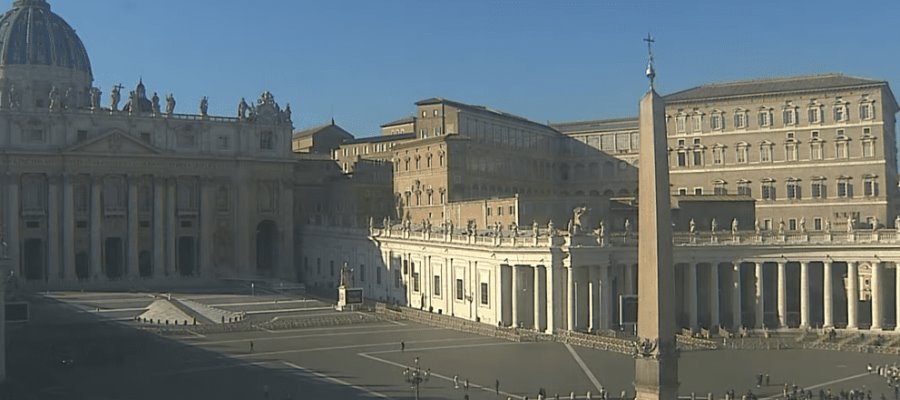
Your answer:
<point x="95" y="192"/>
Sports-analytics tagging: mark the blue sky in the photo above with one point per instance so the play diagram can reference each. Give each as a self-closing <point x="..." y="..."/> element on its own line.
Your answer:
<point x="365" y="62"/>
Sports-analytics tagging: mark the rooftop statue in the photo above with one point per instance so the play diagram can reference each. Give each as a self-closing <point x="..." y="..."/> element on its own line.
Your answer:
<point x="170" y="104"/>
<point x="95" y="98"/>
<point x="115" y="97"/>
<point x="204" y="106"/>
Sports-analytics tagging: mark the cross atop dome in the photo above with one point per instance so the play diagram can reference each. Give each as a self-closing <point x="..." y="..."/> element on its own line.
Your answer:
<point x="651" y="72"/>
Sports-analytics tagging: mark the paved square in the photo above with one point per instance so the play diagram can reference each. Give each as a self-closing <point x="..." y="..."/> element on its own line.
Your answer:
<point x="114" y="360"/>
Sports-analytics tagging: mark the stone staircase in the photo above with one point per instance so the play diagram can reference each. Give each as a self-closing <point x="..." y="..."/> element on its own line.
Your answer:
<point x="208" y="314"/>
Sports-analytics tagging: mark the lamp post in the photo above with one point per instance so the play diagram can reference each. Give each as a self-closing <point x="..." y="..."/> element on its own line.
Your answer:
<point x="416" y="377"/>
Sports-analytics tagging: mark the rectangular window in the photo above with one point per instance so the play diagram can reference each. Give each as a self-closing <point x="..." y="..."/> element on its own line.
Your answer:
<point x="484" y="294"/>
<point x="682" y="159"/>
<point x="697" y="124"/>
<point x="768" y="191"/>
<point x="680" y="123"/>
<point x="870" y="187"/>
<point x="792" y="224"/>
<point x="437" y="286"/>
<point x="817" y="224"/>
<point x="790" y="116"/>
<point x="362" y="273"/>
<point x="815" y="151"/>
<point x="793" y="190"/>
<point x="512" y="210"/>
<point x="743" y="154"/>
<point x="765" y="119"/>
<point x="489" y="210"/>
<point x="698" y="158"/>
<point x="698" y="191"/>
<point x="791" y="152"/>
<point x="715" y="122"/>
<point x="839" y="113"/>
<point x="740" y="120"/>
<point x="868" y="148"/>
<point x="765" y="153"/>
<point x="718" y="156"/>
<point x="814" y="116"/>
<point x="865" y="112"/>
<point x="720" y="189"/>
<point x="682" y="191"/>
<point x="841" y="150"/>
<point x="415" y="279"/>
<point x="818" y="189"/>
<point x="744" y="189"/>
<point x="845" y="188"/>
<point x="459" y="289"/>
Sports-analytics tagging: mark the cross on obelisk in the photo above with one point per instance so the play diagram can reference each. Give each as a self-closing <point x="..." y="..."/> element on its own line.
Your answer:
<point x="656" y="358"/>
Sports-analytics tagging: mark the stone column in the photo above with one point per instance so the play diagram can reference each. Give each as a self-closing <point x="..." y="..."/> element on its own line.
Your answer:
<point x="828" y="301"/>
<point x="159" y="226"/>
<point x="514" y="294"/>
<point x="13" y="240"/>
<point x="782" y="294"/>
<point x="133" y="225"/>
<point x="287" y="207"/>
<point x="877" y="293"/>
<point x="53" y="216"/>
<point x="737" y="319"/>
<point x="593" y="299"/>
<point x="852" y="294"/>
<point x="171" y="220"/>
<point x="897" y="296"/>
<point x="552" y="301"/>
<point x="570" y="292"/>
<point x="207" y="224"/>
<point x="804" y="294"/>
<point x="691" y="288"/>
<point x="96" y="226"/>
<point x="68" y="229"/>
<point x="539" y="291"/>
<point x="759" y="303"/>
<point x="242" y="233"/>
<point x="714" y="295"/>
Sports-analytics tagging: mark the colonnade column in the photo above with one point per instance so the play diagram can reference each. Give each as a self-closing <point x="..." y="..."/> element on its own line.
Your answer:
<point x="897" y="296"/>
<point x="53" y="216"/>
<point x="96" y="221"/>
<point x="714" y="295"/>
<point x="691" y="280"/>
<point x="68" y="228"/>
<point x="551" y="291"/>
<point x="593" y="299"/>
<point x="760" y="297"/>
<point x="737" y="321"/>
<point x="133" y="222"/>
<point x="877" y="291"/>
<point x="804" y="294"/>
<point x="782" y="294"/>
<point x="828" y="302"/>
<point x="13" y="242"/>
<point x="159" y="247"/>
<point x="287" y="206"/>
<point x="852" y="294"/>
<point x="207" y="210"/>
<point x="171" y="210"/>
<point x="570" y="304"/>
<point x="514" y="293"/>
<point x="539" y="294"/>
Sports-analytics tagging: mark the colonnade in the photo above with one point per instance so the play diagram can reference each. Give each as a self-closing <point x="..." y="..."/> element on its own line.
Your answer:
<point x="785" y="293"/>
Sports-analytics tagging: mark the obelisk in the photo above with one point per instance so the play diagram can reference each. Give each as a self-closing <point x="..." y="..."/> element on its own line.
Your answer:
<point x="656" y="358"/>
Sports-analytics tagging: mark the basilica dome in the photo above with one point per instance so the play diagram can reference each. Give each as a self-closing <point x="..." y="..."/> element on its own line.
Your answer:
<point x="30" y="34"/>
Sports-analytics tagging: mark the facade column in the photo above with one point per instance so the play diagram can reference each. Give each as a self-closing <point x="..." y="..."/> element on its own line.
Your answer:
<point x="171" y="210"/>
<point x="736" y="296"/>
<point x="13" y="242"/>
<point x="760" y="297"/>
<point x="132" y="269"/>
<point x="691" y="283"/>
<point x="593" y="299"/>
<point x="570" y="304"/>
<point x="804" y="294"/>
<point x="897" y="296"/>
<point x="877" y="293"/>
<point x="287" y="255"/>
<point x="96" y="221"/>
<point x="68" y="229"/>
<point x="551" y="302"/>
<point x="53" y="216"/>
<point x="852" y="294"/>
<point x="514" y="276"/>
<point x="782" y="294"/>
<point x="159" y="210"/>
<point x="539" y="293"/>
<point x="828" y="301"/>
<point x="714" y="295"/>
<point x="207" y="218"/>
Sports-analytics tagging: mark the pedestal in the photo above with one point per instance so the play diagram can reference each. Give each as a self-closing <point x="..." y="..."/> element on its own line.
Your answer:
<point x="342" y="299"/>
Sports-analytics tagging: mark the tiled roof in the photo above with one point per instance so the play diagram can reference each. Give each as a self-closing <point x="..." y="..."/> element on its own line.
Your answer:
<point x="771" y="85"/>
<point x="464" y="106"/>
<point x="600" y="125"/>
<point x="382" y="138"/>
<point x="401" y="121"/>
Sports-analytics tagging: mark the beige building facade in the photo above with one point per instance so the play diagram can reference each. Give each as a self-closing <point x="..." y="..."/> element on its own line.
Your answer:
<point x="95" y="194"/>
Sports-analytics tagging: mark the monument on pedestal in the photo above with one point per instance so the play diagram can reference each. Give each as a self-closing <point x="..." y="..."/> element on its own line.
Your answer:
<point x="348" y="297"/>
<point x="656" y="356"/>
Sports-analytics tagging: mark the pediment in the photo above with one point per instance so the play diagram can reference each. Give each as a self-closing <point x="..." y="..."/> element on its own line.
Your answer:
<point x="114" y="143"/>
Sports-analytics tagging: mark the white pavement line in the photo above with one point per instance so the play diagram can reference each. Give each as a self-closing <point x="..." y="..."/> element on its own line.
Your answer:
<point x="256" y="303"/>
<point x="288" y="310"/>
<point x="585" y="368"/>
<point x="824" y="384"/>
<point x="353" y="346"/>
<point x="195" y="334"/>
<point x="446" y="378"/>
<point x="335" y="380"/>
<point x="111" y="310"/>
<point x="395" y="322"/>
<point x="264" y="339"/>
<point x="265" y="330"/>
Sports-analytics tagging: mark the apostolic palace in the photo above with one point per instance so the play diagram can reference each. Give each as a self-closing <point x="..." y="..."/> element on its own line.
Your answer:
<point x="784" y="197"/>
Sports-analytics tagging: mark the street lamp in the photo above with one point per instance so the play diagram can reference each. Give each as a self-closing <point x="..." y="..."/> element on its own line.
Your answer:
<point x="416" y="377"/>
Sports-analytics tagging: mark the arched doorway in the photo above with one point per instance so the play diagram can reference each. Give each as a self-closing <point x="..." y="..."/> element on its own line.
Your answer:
<point x="114" y="258"/>
<point x="187" y="256"/>
<point x="82" y="266"/>
<point x="266" y="247"/>
<point x="145" y="266"/>
<point x="34" y="259"/>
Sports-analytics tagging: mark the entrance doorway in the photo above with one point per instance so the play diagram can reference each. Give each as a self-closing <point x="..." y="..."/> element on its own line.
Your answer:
<point x="34" y="259"/>
<point x="266" y="247"/>
<point x="114" y="259"/>
<point x="82" y="266"/>
<point x="187" y="256"/>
